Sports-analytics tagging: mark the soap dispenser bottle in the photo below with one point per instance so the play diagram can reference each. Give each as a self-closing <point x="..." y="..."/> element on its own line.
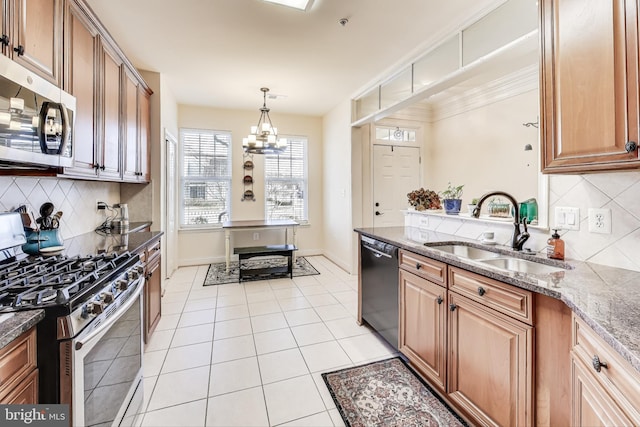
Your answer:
<point x="555" y="246"/>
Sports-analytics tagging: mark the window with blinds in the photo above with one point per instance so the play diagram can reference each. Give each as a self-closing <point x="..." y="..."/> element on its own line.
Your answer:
<point x="285" y="177"/>
<point x="206" y="177"/>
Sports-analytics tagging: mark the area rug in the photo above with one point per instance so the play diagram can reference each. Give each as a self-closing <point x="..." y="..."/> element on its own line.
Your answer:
<point x="387" y="394"/>
<point x="217" y="274"/>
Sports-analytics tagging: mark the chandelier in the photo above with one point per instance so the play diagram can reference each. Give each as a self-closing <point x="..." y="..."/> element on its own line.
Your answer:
<point x="263" y="138"/>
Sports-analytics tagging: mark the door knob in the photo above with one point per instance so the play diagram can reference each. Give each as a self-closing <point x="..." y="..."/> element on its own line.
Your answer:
<point x="378" y="213"/>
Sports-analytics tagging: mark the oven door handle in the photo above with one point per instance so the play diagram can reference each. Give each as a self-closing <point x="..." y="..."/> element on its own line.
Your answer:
<point x="122" y="309"/>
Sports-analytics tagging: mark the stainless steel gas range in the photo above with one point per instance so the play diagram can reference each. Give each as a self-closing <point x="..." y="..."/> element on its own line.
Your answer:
<point x="90" y="340"/>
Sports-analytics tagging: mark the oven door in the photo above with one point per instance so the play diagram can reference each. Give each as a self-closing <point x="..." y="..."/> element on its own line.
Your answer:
<point x="106" y="361"/>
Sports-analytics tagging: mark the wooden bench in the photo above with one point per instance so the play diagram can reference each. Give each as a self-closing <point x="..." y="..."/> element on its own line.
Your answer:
<point x="254" y="251"/>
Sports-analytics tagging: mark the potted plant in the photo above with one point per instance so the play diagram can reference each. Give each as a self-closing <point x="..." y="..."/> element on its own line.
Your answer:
<point x="451" y="198"/>
<point x="471" y="206"/>
<point x="424" y="199"/>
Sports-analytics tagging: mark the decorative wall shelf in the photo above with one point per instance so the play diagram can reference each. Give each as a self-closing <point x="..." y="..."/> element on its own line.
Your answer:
<point x="248" y="165"/>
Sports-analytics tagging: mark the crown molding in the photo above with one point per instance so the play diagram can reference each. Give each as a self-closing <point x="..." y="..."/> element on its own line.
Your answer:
<point x="516" y="83"/>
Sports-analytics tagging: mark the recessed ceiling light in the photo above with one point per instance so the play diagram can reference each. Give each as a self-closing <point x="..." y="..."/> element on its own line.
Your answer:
<point x="297" y="4"/>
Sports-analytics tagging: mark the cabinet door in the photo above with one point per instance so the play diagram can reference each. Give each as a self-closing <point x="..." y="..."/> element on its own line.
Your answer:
<point x="111" y="67"/>
<point x="144" y="133"/>
<point x="37" y="37"/>
<point x="592" y="406"/>
<point x="153" y="297"/>
<point x="589" y="84"/>
<point x="5" y="26"/>
<point x="81" y="81"/>
<point x="25" y="393"/>
<point x="130" y="113"/>
<point x="490" y="362"/>
<point x="423" y="314"/>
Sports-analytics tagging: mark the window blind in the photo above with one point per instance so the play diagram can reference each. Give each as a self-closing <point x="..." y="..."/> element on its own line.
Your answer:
<point x="286" y="182"/>
<point x="205" y="176"/>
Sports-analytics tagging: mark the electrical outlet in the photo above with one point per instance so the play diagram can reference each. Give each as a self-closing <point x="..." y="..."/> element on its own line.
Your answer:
<point x="100" y="206"/>
<point x="567" y="218"/>
<point x="256" y="236"/>
<point x="600" y="221"/>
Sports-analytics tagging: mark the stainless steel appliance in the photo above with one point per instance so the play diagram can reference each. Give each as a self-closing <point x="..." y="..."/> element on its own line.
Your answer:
<point x="379" y="276"/>
<point x="90" y="340"/>
<point x="121" y="222"/>
<point x="36" y="119"/>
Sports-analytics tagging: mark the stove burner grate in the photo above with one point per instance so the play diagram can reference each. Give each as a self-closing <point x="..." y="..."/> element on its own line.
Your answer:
<point x="55" y="280"/>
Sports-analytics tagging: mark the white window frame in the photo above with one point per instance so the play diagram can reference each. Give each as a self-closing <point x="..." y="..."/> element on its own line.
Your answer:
<point x="303" y="181"/>
<point x="187" y="180"/>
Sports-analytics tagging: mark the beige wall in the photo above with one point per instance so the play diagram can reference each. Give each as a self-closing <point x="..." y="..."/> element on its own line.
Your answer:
<point x="484" y="149"/>
<point x="338" y="231"/>
<point x="207" y="245"/>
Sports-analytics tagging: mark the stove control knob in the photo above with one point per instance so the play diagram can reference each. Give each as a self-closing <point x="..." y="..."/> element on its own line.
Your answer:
<point x="106" y="297"/>
<point x="97" y="308"/>
<point x="93" y="308"/>
<point x="134" y="275"/>
<point x="122" y="285"/>
<point x="140" y="269"/>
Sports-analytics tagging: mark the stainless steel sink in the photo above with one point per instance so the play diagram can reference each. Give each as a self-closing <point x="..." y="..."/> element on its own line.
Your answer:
<point x="522" y="265"/>
<point x="467" y="251"/>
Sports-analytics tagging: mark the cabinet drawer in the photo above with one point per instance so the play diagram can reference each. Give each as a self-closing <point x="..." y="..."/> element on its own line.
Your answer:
<point x="507" y="299"/>
<point x="25" y="393"/>
<point x="17" y="360"/>
<point x="153" y="251"/>
<point x="618" y="378"/>
<point x="423" y="266"/>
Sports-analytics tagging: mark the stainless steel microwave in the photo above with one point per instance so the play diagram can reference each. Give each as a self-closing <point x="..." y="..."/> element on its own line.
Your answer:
<point x="36" y="119"/>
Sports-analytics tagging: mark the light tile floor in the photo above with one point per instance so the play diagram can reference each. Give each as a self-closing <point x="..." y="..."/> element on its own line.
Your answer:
<point x="251" y="354"/>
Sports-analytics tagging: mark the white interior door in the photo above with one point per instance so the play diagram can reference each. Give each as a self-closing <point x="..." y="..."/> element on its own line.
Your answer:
<point x="396" y="172"/>
<point x="171" y="235"/>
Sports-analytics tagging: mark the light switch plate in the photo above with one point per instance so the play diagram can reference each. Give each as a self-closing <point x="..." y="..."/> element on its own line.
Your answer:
<point x="600" y="221"/>
<point x="567" y="218"/>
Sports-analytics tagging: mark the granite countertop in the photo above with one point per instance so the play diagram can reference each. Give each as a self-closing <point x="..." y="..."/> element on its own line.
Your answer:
<point x="98" y="242"/>
<point x="606" y="298"/>
<point x="12" y="325"/>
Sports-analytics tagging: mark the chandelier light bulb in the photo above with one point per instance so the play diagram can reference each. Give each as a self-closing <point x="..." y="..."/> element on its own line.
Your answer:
<point x="263" y="138"/>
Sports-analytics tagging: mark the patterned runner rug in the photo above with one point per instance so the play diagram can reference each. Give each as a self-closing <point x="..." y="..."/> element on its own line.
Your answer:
<point x="217" y="274"/>
<point x="387" y="394"/>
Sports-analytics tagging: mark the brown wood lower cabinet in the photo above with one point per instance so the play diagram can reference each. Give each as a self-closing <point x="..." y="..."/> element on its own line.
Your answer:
<point x="152" y="289"/>
<point x="606" y="389"/>
<point x="490" y="364"/>
<point x="18" y="370"/>
<point x="468" y="347"/>
<point x="423" y="320"/>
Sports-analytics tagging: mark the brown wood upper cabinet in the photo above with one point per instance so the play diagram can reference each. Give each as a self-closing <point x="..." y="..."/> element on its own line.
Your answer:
<point x="32" y="36"/>
<point x="136" y="130"/>
<point x="81" y="46"/>
<point x="112" y="121"/>
<point x="589" y="85"/>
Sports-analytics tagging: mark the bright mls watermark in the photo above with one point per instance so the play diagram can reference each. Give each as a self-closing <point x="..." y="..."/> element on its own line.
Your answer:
<point x="34" y="415"/>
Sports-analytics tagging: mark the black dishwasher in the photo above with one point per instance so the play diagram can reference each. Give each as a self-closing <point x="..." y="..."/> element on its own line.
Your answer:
<point x="379" y="270"/>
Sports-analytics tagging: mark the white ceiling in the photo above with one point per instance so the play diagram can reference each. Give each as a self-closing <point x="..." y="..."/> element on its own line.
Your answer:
<point x="219" y="53"/>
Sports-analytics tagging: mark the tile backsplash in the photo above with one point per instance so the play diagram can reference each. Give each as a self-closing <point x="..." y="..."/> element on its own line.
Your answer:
<point x="76" y="199"/>
<point x="617" y="191"/>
